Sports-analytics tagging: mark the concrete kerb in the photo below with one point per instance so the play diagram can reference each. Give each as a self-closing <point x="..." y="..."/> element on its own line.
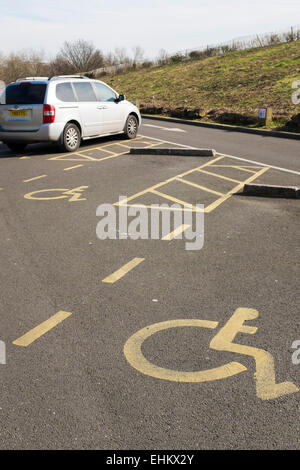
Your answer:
<point x="173" y="151"/>
<point x="264" y="190"/>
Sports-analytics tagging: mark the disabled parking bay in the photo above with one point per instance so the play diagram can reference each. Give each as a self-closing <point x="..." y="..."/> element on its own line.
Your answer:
<point x="142" y="344"/>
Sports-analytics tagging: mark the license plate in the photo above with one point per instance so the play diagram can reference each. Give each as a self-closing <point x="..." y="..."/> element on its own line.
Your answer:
<point x="18" y="113"/>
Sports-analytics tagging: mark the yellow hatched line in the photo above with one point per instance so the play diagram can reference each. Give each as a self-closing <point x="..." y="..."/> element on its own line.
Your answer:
<point x="171" y="198"/>
<point x="123" y="270"/>
<point x="90" y="149"/>
<point x="175" y="232"/>
<point x="41" y="329"/>
<point x="243" y="168"/>
<point x="34" y="178"/>
<point x="162" y="183"/>
<point x="220" y="176"/>
<point x="146" y="142"/>
<point x="99" y="147"/>
<point x="158" y="207"/>
<point x="72" y="167"/>
<point x="125" y="146"/>
<point x="148" y="145"/>
<point x="104" y="150"/>
<point x="222" y="199"/>
<point x="111" y="144"/>
<point x="238" y="166"/>
<point x="81" y="154"/>
<point x="182" y="180"/>
<point x="87" y="157"/>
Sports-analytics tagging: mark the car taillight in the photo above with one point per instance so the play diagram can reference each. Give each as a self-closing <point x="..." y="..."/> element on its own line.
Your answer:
<point x="48" y="113"/>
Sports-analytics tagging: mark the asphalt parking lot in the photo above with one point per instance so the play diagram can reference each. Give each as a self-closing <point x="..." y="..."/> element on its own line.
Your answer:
<point x="110" y="343"/>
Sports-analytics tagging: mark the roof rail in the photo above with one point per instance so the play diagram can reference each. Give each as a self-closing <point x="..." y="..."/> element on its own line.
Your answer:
<point x="57" y="77"/>
<point x="31" y="78"/>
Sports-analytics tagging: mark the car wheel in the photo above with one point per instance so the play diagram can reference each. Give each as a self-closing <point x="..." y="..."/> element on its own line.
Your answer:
<point x="131" y="127"/>
<point x="16" y="148"/>
<point x="71" y="138"/>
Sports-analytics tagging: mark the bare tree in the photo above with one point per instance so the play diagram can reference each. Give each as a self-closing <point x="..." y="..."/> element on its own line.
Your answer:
<point x="121" y="57"/>
<point x="23" y="64"/>
<point x="59" y="66"/>
<point x="138" y="54"/>
<point x="163" y="57"/>
<point x="80" y="56"/>
<point x="109" y="59"/>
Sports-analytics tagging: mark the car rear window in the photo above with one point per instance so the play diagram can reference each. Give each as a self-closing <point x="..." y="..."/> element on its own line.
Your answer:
<point x="25" y="93"/>
<point x="84" y="91"/>
<point x="64" y="92"/>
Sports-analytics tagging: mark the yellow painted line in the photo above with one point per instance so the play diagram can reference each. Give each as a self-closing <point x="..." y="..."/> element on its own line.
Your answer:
<point x="148" y="145"/>
<point x="162" y="183"/>
<point x="107" y="151"/>
<point x="182" y="180"/>
<point x="115" y="143"/>
<point x="125" y="146"/>
<point x="154" y="207"/>
<point x="237" y="166"/>
<point x="24" y="158"/>
<point x="35" y="178"/>
<point x="171" y="198"/>
<point x="123" y="270"/>
<point x="175" y="232"/>
<point x="243" y="168"/>
<point x="220" y="176"/>
<point x="41" y="329"/>
<point x="82" y="154"/>
<point x="72" y="167"/>
<point x="222" y="199"/>
<point x="90" y="149"/>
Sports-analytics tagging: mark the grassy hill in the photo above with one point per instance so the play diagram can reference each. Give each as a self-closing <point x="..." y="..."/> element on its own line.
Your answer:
<point x="236" y="82"/>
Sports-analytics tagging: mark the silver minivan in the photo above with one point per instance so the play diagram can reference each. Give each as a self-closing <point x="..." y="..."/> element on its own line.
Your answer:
<point x="63" y="109"/>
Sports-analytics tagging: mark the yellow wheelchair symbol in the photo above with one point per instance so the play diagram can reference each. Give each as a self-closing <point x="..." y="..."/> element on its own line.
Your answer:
<point x="71" y="194"/>
<point x="266" y="386"/>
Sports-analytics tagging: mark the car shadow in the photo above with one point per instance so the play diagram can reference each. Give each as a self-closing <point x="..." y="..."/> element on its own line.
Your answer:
<point x="54" y="149"/>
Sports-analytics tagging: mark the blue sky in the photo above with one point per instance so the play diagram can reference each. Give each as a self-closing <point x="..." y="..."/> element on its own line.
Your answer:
<point x="152" y="24"/>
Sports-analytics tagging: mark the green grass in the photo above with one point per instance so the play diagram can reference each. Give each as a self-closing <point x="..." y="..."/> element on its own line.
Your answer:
<point x="240" y="81"/>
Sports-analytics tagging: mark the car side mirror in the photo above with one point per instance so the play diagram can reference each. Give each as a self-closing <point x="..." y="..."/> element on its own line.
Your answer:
<point x="121" y="98"/>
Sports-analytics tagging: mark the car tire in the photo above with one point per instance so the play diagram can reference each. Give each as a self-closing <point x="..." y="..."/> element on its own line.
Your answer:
<point x="131" y="127"/>
<point x="16" y="148"/>
<point x="71" y="138"/>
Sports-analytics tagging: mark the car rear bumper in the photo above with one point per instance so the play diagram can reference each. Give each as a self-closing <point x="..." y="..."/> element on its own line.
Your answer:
<point x="46" y="133"/>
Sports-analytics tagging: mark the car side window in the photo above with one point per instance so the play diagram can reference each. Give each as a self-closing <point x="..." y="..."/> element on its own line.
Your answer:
<point x="104" y="93"/>
<point x="64" y="92"/>
<point x="84" y="91"/>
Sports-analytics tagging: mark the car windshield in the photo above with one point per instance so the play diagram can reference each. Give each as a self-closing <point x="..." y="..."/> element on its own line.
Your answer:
<point x="25" y="93"/>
